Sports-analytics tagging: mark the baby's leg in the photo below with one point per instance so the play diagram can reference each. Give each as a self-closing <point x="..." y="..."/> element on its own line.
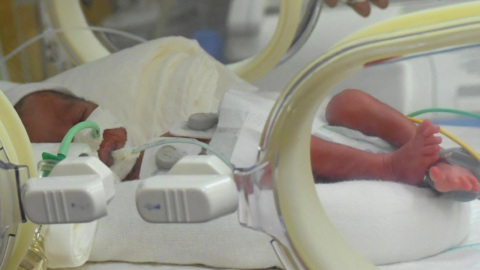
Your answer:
<point x="419" y="147"/>
<point x="357" y="110"/>
<point x="372" y="117"/>
<point x="408" y="164"/>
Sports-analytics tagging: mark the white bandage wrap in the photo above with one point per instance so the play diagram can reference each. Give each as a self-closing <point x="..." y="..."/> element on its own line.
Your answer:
<point x="124" y="161"/>
<point x="151" y="86"/>
<point x="106" y="120"/>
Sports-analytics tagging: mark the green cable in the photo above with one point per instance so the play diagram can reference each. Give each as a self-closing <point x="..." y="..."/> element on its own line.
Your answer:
<point x="67" y="140"/>
<point x="454" y="111"/>
<point x="188" y="141"/>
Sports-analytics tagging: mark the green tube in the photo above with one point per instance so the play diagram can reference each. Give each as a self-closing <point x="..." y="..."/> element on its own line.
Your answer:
<point x="49" y="160"/>
<point x="445" y="110"/>
<point x="67" y="140"/>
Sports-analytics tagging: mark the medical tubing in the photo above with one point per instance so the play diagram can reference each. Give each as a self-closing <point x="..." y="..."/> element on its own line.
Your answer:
<point x="445" y="110"/>
<point x="67" y="140"/>
<point x="188" y="141"/>
<point x="54" y="31"/>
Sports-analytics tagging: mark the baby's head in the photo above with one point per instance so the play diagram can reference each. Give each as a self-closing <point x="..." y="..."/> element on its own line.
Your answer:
<point x="49" y="115"/>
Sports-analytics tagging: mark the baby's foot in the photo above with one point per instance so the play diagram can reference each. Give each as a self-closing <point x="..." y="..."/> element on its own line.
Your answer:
<point x="447" y="178"/>
<point x="410" y="163"/>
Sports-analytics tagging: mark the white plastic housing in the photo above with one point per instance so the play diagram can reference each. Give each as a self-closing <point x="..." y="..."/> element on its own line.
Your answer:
<point x="201" y="165"/>
<point x="196" y="189"/>
<point x="76" y="191"/>
<point x="186" y="198"/>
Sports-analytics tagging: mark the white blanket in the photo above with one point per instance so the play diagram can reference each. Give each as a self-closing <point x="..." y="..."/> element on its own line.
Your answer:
<point x="124" y="236"/>
<point x="410" y="224"/>
<point x="151" y="86"/>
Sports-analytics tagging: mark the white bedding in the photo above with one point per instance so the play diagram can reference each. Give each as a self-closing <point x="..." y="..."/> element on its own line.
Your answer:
<point x="464" y="257"/>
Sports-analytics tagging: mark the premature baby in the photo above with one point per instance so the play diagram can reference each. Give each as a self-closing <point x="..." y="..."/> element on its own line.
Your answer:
<point x="48" y="115"/>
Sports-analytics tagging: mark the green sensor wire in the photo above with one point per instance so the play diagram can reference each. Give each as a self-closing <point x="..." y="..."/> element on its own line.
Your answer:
<point x="67" y="140"/>
<point x="444" y="110"/>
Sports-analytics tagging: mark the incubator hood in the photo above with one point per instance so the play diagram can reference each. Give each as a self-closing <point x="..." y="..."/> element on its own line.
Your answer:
<point x="304" y="237"/>
<point x="309" y="241"/>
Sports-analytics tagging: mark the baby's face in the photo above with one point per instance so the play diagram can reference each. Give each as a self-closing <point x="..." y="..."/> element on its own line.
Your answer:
<point x="48" y="117"/>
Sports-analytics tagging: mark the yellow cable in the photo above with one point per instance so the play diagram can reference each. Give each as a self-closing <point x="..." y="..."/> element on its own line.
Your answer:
<point x="453" y="138"/>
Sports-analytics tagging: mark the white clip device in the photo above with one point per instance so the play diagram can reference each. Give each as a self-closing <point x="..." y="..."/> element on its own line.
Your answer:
<point x="197" y="189"/>
<point x="76" y="191"/>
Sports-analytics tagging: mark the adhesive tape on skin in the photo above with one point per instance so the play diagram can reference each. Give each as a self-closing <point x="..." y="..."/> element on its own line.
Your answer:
<point x="123" y="164"/>
<point x="105" y="120"/>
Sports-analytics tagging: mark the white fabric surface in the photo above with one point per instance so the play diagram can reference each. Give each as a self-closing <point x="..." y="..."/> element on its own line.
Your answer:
<point x="5" y="85"/>
<point x="69" y="245"/>
<point x="390" y="222"/>
<point x="160" y="82"/>
<point x="124" y="236"/>
<point x="464" y="257"/>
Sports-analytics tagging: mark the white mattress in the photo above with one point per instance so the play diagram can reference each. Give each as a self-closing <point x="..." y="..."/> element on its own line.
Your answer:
<point x="465" y="257"/>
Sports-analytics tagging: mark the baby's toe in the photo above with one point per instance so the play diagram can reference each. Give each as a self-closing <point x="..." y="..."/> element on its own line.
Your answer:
<point x="423" y="126"/>
<point x="475" y="185"/>
<point x="465" y="183"/>
<point x="427" y="129"/>
<point x="454" y="182"/>
<point x="433" y="140"/>
<point x="431" y="149"/>
<point x="436" y="175"/>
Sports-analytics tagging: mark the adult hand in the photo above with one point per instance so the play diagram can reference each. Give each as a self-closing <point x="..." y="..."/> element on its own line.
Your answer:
<point x="362" y="7"/>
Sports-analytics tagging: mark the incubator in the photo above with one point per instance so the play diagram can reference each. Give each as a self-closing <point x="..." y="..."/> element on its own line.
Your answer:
<point x="202" y="183"/>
